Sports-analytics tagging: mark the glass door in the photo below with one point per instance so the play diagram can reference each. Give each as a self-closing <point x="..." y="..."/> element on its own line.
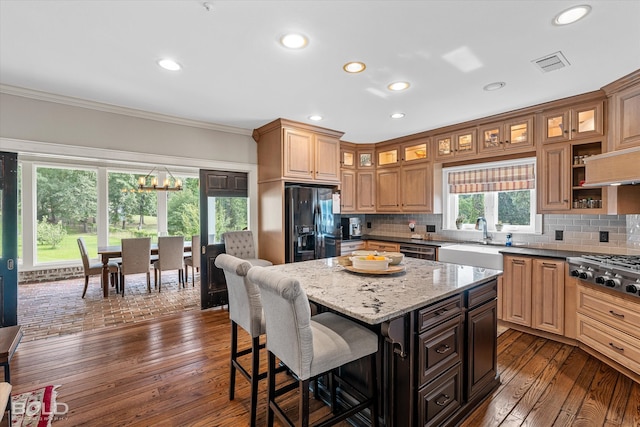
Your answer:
<point x="9" y="239"/>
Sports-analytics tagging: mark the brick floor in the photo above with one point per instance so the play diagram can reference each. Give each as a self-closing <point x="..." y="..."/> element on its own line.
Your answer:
<point x="57" y="308"/>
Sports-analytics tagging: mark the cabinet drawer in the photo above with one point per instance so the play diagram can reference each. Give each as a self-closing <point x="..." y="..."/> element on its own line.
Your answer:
<point x="439" y="349"/>
<point x="610" y="342"/>
<point x="434" y="314"/>
<point x="347" y="248"/>
<point x="382" y="246"/>
<point x="617" y="312"/>
<point x="482" y="294"/>
<point x="439" y="400"/>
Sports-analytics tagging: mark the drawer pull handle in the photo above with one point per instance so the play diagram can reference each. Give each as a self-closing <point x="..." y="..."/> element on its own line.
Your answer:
<point x="441" y="311"/>
<point x="616" y="314"/>
<point x="443" y="400"/>
<point x="616" y="347"/>
<point x="443" y="349"/>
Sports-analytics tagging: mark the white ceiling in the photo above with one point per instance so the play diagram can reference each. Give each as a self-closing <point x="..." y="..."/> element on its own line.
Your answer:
<point x="236" y="73"/>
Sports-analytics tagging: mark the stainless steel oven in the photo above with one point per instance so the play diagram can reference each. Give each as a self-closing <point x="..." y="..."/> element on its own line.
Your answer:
<point x="418" y="251"/>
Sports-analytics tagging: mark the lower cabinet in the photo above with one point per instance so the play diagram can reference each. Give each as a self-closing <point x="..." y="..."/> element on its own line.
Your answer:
<point x="374" y="245"/>
<point x="456" y="353"/>
<point x="533" y="293"/>
<point x="354" y="245"/>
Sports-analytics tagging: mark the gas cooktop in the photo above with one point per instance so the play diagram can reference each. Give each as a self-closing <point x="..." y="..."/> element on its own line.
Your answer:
<point x="617" y="272"/>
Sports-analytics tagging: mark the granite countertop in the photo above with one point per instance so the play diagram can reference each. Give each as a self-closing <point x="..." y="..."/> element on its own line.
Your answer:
<point x="374" y="299"/>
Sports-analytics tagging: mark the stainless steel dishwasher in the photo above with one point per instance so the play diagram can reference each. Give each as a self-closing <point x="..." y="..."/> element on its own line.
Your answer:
<point x="418" y="251"/>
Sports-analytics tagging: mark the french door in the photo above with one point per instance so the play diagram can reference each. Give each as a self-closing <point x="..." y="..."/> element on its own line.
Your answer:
<point x="9" y="239"/>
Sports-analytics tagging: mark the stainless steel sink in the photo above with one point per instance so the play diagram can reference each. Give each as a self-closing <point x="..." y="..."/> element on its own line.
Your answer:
<point x="476" y="255"/>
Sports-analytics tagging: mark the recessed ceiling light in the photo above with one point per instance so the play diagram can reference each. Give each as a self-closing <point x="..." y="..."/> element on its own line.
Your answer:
<point x="572" y="15"/>
<point x="354" y="67"/>
<point x="397" y="115"/>
<point x="315" y="118"/>
<point x="396" y="86"/>
<point x="169" y="64"/>
<point x="494" y="86"/>
<point x="294" y="41"/>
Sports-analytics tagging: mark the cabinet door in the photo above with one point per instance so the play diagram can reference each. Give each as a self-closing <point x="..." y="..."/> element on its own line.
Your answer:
<point x="444" y="147"/>
<point x="465" y="143"/>
<point x="491" y="138"/>
<point x="517" y="290"/>
<point x="365" y="157"/>
<point x="586" y="120"/>
<point x="417" y="183"/>
<point x="554" y="177"/>
<point x="482" y="355"/>
<point x="415" y="152"/>
<point x="388" y="190"/>
<point x="519" y="134"/>
<point x="626" y="118"/>
<point x="347" y="158"/>
<point x="555" y="126"/>
<point x="389" y="156"/>
<point x="298" y="154"/>
<point x="366" y="191"/>
<point x="327" y="158"/>
<point x="548" y="295"/>
<point x="348" y="191"/>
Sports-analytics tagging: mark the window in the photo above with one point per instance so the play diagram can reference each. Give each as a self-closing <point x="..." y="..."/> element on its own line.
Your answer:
<point x="66" y="207"/>
<point x="183" y="209"/>
<point x="132" y="213"/>
<point x="502" y="192"/>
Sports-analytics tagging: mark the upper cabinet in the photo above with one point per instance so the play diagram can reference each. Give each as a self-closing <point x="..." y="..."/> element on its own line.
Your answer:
<point x="460" y="144"/>
<point x="624" y="116"/>
<point x="347" y="155"/>
<point x="515" y="135"/>
<point x="581" y="121"/>
<point x="298" y="152"/>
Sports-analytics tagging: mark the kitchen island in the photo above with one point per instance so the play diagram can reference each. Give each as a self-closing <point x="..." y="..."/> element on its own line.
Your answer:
<point x="437" y="324"/>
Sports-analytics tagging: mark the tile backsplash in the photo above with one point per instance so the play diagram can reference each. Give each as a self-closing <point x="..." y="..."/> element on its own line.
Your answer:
<point x="580" y="232"/>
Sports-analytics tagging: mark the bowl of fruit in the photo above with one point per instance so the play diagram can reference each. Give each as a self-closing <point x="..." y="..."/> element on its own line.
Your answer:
<point x="370" y="262"/>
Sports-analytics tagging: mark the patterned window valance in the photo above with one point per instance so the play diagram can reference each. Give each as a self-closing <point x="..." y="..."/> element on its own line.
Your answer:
<point x="517" y="177"/>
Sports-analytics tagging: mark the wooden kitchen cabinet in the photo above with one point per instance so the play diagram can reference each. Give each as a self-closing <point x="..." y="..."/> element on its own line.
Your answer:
<point x="365" y="154"/>
<point x="388" y="190"/>
<point x="387" y="156"/>
<point x="347" y="247"/>
<point x="624" y="115"/>
<point x="347" y="156"/>
<point x="415" y="151"/>
<point x="609" y="325"/>
<point x="533" y="293"/>
<point x="365" y="191"/>
<point x="348" y="191"/>
<point x="298" y="152"/>
<point x="417" y="188"/>
<point x="376" y="245"/>
<point x="460" y="144"/>
<point x="548" y="295"/>
<point x="580" y="121"/>
<point x="513" y="136"/>
<point x="561" y="173"/>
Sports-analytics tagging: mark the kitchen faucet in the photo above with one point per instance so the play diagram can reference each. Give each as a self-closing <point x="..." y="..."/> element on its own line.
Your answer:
<point x="485" y="235"/>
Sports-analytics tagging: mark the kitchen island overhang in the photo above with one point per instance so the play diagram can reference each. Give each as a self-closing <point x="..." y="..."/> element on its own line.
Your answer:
<point x="437" y="324"/>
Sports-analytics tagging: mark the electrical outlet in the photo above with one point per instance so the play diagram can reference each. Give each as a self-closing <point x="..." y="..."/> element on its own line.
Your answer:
<point x="431" y="228"/>
<point x="604" y="236"/>
<point x="559" y="235"/>
<point x="368" y="224"/>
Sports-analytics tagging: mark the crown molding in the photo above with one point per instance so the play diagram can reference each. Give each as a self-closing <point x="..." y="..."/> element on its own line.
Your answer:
<point x="109" y="108"/>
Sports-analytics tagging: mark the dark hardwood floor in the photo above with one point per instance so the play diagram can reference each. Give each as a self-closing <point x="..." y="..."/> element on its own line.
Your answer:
<point x="173" y="371"/>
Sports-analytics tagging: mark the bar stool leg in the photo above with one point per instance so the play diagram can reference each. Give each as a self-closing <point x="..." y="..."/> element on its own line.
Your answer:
<point x="234" y="351"/>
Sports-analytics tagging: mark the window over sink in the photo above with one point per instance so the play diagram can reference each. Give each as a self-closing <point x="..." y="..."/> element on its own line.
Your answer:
<point x="504" y="193"/>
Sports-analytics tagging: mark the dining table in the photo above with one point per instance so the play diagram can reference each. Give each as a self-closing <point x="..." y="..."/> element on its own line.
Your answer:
<point x="109" y="252"/>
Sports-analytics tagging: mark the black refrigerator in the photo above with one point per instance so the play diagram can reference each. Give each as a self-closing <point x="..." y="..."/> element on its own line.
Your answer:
<point x="312" y="229"/>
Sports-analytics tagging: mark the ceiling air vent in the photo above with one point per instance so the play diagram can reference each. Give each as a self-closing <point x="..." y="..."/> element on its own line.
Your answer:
<point x="551" y="62"/>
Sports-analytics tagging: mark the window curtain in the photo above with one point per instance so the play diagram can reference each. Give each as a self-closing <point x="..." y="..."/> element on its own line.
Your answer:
<point x="507" y="178"/>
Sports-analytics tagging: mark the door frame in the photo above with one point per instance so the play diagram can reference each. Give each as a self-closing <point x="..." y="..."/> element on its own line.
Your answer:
<point x="9" y="254"/>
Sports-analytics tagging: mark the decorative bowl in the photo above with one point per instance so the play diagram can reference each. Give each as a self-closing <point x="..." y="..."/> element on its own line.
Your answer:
<point x="396" y="257"/>
<point x="363" y="253"/>
<point x="366" y="263"/>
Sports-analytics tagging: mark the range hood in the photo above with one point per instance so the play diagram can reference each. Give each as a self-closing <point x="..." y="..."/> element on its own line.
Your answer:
<point x="620" y="167"/>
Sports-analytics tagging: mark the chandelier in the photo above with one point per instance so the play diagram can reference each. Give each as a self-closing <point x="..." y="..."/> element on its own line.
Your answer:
<point x="167" y="185"/>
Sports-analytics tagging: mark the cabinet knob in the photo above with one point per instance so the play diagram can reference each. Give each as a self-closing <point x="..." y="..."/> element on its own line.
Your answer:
<point x="566" y="201"/>
<point x="573" y="130"/>
<point x="506" y="142"/>
<point x="566" y="131"/>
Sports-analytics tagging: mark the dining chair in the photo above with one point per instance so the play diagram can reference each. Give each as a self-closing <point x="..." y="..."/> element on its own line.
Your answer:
<point x="310" y="347"/>
<point x="240" y="244"/>
<point x="95" y="268"/>
<point x="170" y="257"/>
<point x="136" y="259"/>
<point x="193" y="260"/>
<point x="245" y="310"/>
